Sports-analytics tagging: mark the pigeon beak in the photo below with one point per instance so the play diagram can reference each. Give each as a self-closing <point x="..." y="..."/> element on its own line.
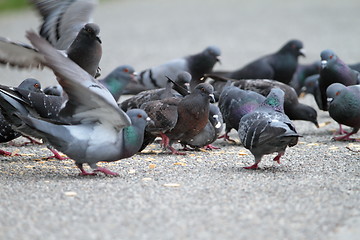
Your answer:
<point x="133" y="77"/>
<point x="212" y="98"/>
<point x="302" y="52"/>
<point x="218" y="59"/>
<point x="323" y="64"/>
<point x="98" y="39"/>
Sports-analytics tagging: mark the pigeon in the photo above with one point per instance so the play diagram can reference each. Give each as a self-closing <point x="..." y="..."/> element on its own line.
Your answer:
<point x="209" y="133"/>
<point x="176" y="119"/>
<point x="118" y="79"/>
<point x="234" y="103"/>
<point x="334" y="70"/>
<point x="85" y="50"/>
<point x="62" y="20"/>
<point x="171" y="90"/>
<point x="90" y="127"/>
<point x="279" y="66"/>
<point x="312" y="87"/>
<point x="55" y="90"/>
<point x="293" y="108"/>
<point x="302" y="72"/>
<point x="197" y="65"/>
<point x="344" y="107"/>
<point x="267" y="129"/>
<point x="6" y="132"/>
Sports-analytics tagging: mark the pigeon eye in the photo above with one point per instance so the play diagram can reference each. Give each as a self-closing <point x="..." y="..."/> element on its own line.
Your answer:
<point x="331" y="57"/>
<point x="337" y="93"/>
<point x="139" y="116"/>
<point x="126" y="70"/>
<point x="36" y="85"/>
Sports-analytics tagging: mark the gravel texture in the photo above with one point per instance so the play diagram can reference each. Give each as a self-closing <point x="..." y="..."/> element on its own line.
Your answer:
<point x="313" y="194"/>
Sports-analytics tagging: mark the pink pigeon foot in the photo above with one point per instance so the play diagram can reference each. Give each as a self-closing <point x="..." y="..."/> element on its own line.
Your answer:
<point x="164" y="140"/>
<point x="6" y="153"/>
<point x="253" y="167"/>
<point x="56" y="155"/>
<point x="227" y="138"/>
<point x="174" y="151"/>
<point x="210" y="147"/>
<point x="32" y="141"/>
<point x="106" y="171"/>
<point x="277" y="158"/>
<point x="83" y="172"/>
<point x="347" y="138"/>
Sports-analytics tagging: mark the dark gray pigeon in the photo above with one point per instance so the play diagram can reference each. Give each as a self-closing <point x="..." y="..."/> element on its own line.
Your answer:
<point x="334" y="70"/>
<point x="209" y="133"/>
<point x="6" y="132"/>
<point x="302" y="72"/>
<point x="312" y="87"/>
<point x="234" y="103"/>
<point x="177" y="119"/>
<point x="85" y="50"/>
<point x="171" y="90"/>
<point x="118" y="79"/>
<point x="267" y="129"/>
<point x="279" y="66"/>
<point x="293" y="108"/>
<point x="344" y="107"/>
<point x="197" y="65"/>
<point x="62" y="20"/>
<point x="91" y="127"/>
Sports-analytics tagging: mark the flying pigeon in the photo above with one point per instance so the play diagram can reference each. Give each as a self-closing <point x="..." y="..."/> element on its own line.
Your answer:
<point x="91" y="127"/>
<point x="279" y="66"/>
<point x="344" y="107"/>
<point x="197" y="65"/>
<point x="267" y="129"/>
<point x="176" y="119"/>
<point x="293" y="108"/>
<point x="334" y="70"/>
<point x="234" y="103"/>
<point x="86" y="51"/>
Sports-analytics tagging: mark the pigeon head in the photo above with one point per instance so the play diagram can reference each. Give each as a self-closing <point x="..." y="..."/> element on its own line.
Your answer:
<point x="31" y="84"/>
<point x="334" y="90"/>
<point x="138" y="117"/>
<point x="294" y="47"/>
<point x="205" y="89"/>
<point x="213" y="52"/>
<point x="124" y="72"/>
<point x="92" y="30"/>
<point x="275" y="100"/>
<point x="326" y="57"/>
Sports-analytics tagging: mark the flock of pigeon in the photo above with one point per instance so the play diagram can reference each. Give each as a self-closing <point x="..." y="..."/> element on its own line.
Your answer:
<point x="175" y="101"/>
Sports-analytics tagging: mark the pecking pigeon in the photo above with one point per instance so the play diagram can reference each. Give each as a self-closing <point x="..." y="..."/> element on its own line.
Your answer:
<point x="234" y="103"/>
<point x="334" y="70"/>
<point x="91" y="127"/>
<point x="267" y="129"/>
<point x="177" y="119"/>
<point x="279" y="66"/>
<point x="197" y="65"/>
<point x="344" y="107"/>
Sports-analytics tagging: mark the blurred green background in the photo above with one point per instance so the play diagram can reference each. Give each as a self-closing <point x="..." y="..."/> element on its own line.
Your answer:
<point x="7" y="5"/>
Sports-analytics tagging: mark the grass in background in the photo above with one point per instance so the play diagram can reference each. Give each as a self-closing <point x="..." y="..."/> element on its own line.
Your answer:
<point x="6" y="5"/>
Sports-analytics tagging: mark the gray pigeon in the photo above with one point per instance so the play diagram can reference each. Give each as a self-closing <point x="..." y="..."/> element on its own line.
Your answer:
<point x="171" y="90"/>
<point x="177" y="119"/>
<point x="62" y="20"/>
<point x="209" y="133"/>
<point x="279" y="66"/>
<point x="91" y="127"/>
<point x="118" y="79"/>
<point x="197" y="65"/>
<point x="344" y="107"/>
<point x="234" y="103"/>
<point x="334" y="70"/>
<point x="267" y="129"/>
<point x="6" y="132"/>
<point x="86" y="51"/>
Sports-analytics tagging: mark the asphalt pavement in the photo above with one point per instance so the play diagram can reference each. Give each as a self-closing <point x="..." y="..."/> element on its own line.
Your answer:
<point x="313" y="194"/>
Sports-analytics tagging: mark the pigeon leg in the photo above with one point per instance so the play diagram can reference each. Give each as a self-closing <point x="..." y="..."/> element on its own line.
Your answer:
<point x="32" y="141"/>
<point x="105" y="171"/>
<point x="277" y="157"/>
<point x="83" y="172"/>
<point x="6" y="153"/>
<point x="164" y="140"/>
<point x="210" y="147"/>
<point x="347" y="137"/>
<point x="227" y="138"/>
<point x="174" y="151"/>
<point x="340" y="131"/>
<point x="56" y="155"/>
<point x="253" y="167"/>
